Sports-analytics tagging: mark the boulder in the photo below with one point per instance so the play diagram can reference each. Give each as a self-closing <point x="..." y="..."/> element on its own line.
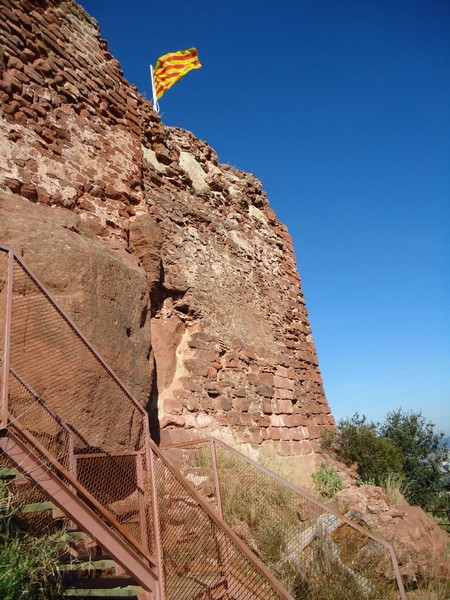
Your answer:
<point x="419" y="543"/>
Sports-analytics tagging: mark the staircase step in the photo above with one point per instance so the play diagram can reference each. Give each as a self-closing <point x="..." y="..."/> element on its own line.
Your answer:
<point x="112" y="594"/>
<point x="38" y="507"/>
<point x="114" y="587"/>
<point x="97" y="564"/>
<point x="9" y="473"/>
<point x="75" y="536"/>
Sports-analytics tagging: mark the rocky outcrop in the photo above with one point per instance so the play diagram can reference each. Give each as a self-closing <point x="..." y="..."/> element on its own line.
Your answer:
<point x="174" y="264"/>
<point x="106" y="295"/>
<point x="420" y="545"/>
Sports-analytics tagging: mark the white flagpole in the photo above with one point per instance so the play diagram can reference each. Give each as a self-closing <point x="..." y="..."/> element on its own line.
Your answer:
<point x="155" y="102"/>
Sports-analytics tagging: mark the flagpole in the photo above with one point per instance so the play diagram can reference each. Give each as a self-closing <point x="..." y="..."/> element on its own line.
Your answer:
<point x="155" y="102"/>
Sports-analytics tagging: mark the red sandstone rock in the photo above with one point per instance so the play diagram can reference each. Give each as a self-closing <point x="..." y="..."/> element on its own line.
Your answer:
<point x="419" y="543"/>
<point x="204" y="237"/>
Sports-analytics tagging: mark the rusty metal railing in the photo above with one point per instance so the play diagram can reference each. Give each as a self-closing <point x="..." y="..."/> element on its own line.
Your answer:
<point x="60" y="390"/>
<point x="61" y="401"/>
<point x="67" y="419"/>
<point x="313" y="550"/>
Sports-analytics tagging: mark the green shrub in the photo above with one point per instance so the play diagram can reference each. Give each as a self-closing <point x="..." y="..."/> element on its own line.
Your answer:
<point x="28" y="562"/>
<point x="404" y="447"/>
<point x="375" y="455"/>
<point x="327" y="481"/>
<point x="422" y="455"/>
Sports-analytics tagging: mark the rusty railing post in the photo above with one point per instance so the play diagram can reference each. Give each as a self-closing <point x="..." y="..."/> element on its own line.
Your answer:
<point x="155" y="518"/>
<point x="7" y="342"/>
<point x="141" y="492"/>
<point x="216" y="476"/>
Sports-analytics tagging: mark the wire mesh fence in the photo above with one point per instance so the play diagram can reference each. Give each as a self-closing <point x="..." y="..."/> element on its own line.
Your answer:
<point x="313" y="551"/>
<point x="201" y="559"/>
<point x="74" y="416"/>
<point x="63" y="395"/>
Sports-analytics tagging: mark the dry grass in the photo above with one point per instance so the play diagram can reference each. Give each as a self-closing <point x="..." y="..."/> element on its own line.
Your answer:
<point x="286" y="531"/>
<point x="297" y="470"/>
<point x="394" y="486"/>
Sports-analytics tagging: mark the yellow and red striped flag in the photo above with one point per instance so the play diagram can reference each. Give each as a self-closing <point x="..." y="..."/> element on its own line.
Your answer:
<point x="172" y="67"/>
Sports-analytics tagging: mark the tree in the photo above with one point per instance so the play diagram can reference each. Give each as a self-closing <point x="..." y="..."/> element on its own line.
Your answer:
<point x="404" y="444"/>
<point x="359" y="442"/>
<point x="422" y="453"/>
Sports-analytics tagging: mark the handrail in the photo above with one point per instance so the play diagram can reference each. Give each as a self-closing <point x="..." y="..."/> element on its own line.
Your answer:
<point x="308" y="497"/>
<point x="258" y="565"/>
<point x="81" y="491"/>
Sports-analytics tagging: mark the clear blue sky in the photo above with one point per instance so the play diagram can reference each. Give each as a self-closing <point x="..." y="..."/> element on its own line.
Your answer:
<point x="342" y="109"/>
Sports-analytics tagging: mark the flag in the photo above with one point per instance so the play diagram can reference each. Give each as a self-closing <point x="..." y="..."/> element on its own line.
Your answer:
<point x="173" y="66"/>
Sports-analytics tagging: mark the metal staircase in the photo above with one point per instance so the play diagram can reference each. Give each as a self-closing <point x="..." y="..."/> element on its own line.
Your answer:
<point x="73" y="430"/>
<point x="85" y="570"/>
<point x="142" y="523"/>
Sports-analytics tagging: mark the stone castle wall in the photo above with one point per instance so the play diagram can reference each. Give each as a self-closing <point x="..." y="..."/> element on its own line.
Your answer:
<point x="223" y="331"/>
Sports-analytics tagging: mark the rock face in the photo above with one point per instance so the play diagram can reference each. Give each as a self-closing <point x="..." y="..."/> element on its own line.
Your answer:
<point x="420" y="544"/>
<point x="107" y="297"/>
<point x="173" y="264"/>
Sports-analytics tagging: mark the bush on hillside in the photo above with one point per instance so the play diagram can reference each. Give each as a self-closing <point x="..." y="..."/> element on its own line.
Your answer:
<point x="404" y="445"/>
<point x="362" y="444"/>
<point x="422" y="455"/>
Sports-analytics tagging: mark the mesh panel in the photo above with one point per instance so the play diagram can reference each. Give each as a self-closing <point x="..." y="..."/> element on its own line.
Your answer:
<point x="315" y="554"/>
<point x="3" y="290"/>
<point x="196" y="464"/>
<point x="120" y="488"/>
<point x="50" y="356"/>
<point x="64" y="396"/>
<point x="39" y="420"/>
<point x="200" y="561"/>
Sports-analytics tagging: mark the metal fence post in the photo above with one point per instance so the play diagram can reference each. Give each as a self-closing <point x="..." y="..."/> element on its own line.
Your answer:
<point x="216" y="477"/>
<point x="7" y="342"/>
<point x="155" y="516"/>
<point x="141" y="492"/>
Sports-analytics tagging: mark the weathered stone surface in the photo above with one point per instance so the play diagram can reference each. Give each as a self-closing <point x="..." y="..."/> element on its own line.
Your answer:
<point x="420" y="545"/>
<point x="105" y="295"/>
<point x="196" y="246"/>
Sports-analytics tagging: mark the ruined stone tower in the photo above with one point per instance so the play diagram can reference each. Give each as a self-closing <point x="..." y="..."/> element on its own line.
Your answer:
<point x="173" y="264"/>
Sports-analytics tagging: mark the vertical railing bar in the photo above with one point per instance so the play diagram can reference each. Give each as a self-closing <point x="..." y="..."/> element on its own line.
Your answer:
<point x="72" y="461"/>
<point x="216" y="476"/>
<point x="7" y="341"/>
<point x="155" y="516"/>
<point x="141" y="492"/>
<point x="398" y="576"/>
